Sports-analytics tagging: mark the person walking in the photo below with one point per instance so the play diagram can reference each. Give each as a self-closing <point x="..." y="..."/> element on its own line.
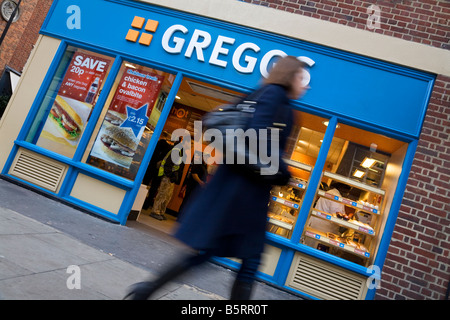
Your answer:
<point x="228" y="217"/>
<point x="195" y="178"/>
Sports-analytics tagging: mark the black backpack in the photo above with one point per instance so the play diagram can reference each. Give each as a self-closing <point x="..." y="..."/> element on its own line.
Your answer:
<point x="238" y="116"/>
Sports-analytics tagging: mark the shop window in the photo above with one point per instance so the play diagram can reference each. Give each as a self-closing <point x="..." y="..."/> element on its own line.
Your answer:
<point x="69" y="100"/>
<point x="193" y="100"/>
<point x="128" y="120"/>
<point x="301" y="153"/>
<point x="352" y="204"/>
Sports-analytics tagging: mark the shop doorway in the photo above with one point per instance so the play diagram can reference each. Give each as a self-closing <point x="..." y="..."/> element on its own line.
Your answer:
<point x="194" y="99"/>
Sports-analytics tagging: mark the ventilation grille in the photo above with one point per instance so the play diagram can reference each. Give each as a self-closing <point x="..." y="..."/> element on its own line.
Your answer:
<point x="325" y="281"/>
<point x="38" y="170"/>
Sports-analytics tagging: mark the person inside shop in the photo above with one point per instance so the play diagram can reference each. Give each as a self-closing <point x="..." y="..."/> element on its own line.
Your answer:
<point x="331" y="207"/>
<point x="170" y="173"/>
<point x="151" y="177"/>
<point x="195" y="178"/>
<point x="228" y="217"/>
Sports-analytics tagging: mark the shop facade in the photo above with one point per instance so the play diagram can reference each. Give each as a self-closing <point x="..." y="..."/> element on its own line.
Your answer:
<point x="121" y="71"/>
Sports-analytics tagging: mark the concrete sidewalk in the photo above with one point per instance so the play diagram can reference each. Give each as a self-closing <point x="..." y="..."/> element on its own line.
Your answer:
<point x="40" y="262"/>
<point x="45" y="245"/>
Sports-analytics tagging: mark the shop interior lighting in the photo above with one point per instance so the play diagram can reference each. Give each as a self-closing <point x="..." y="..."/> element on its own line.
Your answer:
<point x="368" y="162"/>
<point x="177" y="97"/>
<point x="129" y="65"/>
<point x="358" y="173"/>
<point x="325" y="123"/>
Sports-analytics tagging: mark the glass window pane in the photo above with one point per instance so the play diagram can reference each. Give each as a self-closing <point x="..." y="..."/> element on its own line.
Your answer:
<point x="193" y="100"/>
<point x="69" y="100"/>
<point x="352" y="204"/>
<point x="128" y="120"/>
<point x="301" y="154"/>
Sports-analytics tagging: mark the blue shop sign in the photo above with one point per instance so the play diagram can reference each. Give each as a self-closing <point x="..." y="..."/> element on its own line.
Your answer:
<point x="353" y="87"/>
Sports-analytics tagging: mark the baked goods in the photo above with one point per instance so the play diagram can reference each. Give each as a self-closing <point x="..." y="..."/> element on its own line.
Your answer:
<point x="343" y="216"/>
<point x="119" y="144"/>
<point x="332" y="236"/>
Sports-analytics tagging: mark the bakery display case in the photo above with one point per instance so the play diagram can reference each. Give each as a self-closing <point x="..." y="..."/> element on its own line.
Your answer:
<point x="345" y="219"/>
<point x="285" y="201"/>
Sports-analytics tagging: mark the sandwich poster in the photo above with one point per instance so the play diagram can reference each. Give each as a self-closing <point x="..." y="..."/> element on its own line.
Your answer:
<point x="73" y="103"/>
<point x="127" y="116"/>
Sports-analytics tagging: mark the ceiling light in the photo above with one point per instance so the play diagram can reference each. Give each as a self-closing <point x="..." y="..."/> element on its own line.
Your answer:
<point x="368" y="162"/>
<point x="358" y="173"/>
<point x="325" y="123"/>
<point x="129" y="65"/>
<point x="177" y="97"/>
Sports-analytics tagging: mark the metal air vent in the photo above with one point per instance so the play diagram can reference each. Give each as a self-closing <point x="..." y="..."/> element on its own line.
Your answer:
<point x="325" y="281"/>
<point x="38" y="170"/>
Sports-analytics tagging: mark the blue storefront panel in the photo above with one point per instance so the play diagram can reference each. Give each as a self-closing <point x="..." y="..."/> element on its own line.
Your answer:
<point x="341" y="83"/>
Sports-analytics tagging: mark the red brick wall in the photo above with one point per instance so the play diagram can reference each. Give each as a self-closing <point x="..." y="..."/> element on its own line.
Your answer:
<point x="417" y="264"/>
<point x="22" y="34"/>
<point x="424" y="21"/>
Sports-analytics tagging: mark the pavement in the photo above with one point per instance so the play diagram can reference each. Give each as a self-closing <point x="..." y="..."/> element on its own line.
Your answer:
<point x="52" y="251"/>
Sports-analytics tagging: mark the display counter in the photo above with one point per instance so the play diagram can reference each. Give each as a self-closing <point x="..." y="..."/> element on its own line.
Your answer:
<point x="285" y="201"/>
<point x="355" y="230"/>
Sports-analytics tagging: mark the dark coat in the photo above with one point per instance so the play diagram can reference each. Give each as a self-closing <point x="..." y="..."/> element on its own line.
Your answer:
<point x="228" y="217"/>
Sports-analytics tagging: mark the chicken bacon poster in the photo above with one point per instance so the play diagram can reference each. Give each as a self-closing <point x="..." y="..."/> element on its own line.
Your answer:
<point x="73" y="103"/>
<point x="127" y="116"/>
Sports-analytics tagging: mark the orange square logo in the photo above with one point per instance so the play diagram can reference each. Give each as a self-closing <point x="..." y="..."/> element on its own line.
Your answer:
<point x="145" y="39"/>
<point x="132" y="35"/>
<point x="138" y="22"/>
<point x="151" y="25"/>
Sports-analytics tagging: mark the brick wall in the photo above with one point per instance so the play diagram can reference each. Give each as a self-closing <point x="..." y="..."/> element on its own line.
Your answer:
<point x="417" y="264"/>
<point x="424" y="21"/>
<point x="22" y="34"/>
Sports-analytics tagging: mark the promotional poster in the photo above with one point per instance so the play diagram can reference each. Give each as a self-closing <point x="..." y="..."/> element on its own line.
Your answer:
<point x="73" y="103"/>
<point x="127" y="116"/>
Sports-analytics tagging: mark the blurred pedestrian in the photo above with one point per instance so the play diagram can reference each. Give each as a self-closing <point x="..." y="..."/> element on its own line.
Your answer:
<point x="195" y="178"/>
<point x="228" y="217"/>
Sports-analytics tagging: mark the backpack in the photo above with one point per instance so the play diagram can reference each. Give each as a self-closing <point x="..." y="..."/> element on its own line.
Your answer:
<point x="230" y="116"/>
<point x="168" y="168"/>
<point x="238" y="116"/>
